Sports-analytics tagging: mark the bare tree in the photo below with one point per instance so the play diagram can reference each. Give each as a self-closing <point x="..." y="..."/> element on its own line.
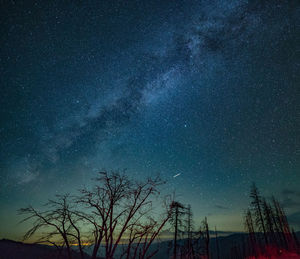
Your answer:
<point x="297" y="245"/>
<point x="283" y="224"/>
<point x="189" y="249"/>
<point x="119" y="205"/>
<point x="115" y="209"/>
<point x="269" y="223"/>
<point x="249" y="226"/>
<point x="217" y="243"/>
<point x="205" y="234"/>
<point x="141" y="236"/>
<point x="256" y="204"/>
<point x="60" y="222"/>
<point x="201" y="241"/>
<point x="178" y="211"/>
<point x="271" y="219"/>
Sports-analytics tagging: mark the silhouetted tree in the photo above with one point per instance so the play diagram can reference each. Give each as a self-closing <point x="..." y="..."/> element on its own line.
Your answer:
<point x="142" y="235"/>
<point x="269" y="223"/>
<point x="177" y="213"/>
<point x="189" y="251"/>
<point x="297" y="245"/>
<point x="60" y="221"/>
<point x="217" y="243"/>
<point x="249" y="226"/>
<point x="271" y="219"/>
<point x="279" y="239"/>
<point x="115" y="208"/>
<point x="119" y="204"/>
<point x="283" y="224"/>
<point x="205" y="234"/>
<point x="256" y="204"/>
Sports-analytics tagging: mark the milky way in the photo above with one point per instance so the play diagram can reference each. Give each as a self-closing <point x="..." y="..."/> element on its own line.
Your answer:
<point x="202" y="89"/>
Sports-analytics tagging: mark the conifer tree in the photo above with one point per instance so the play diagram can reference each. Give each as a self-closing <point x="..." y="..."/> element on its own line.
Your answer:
<point x="256" y="204"/>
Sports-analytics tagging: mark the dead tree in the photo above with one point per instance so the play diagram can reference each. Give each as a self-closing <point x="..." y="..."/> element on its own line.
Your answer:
<point x="177" y="213"/>
<point x="117" y="202"/>
<point x="205" y="233"/>
<point x="270" y="218"/>
<point x="60" y="223"/>
<point x="189" y="251"/>
<point x="283" y="224"/>
<point x="249" y="226"/>
<point x="279" y="239"/>
<point x="217" y="243"/>
<point x="297" y="245"/>
<point x="269" y="223"/>
<point x="256" y="204"/>
<point x="109" y="212"/>
<point x="142" y="236"/>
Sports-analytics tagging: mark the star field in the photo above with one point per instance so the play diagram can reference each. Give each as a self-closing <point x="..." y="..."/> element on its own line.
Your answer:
<point x="208" y="90"/>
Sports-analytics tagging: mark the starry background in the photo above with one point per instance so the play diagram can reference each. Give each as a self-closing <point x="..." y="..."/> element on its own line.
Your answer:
<point x="205" y="89"/>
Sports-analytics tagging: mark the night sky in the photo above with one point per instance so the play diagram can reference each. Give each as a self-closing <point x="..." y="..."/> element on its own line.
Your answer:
<point x="205" y="90"/>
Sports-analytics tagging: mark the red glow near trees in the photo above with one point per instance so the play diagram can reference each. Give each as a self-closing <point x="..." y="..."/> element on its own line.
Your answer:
<point x="272" y="252"/>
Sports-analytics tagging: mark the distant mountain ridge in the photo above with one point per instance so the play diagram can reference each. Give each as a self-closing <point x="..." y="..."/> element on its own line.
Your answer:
<point x="10" y="249"/>
<point x="17" y="250"/>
